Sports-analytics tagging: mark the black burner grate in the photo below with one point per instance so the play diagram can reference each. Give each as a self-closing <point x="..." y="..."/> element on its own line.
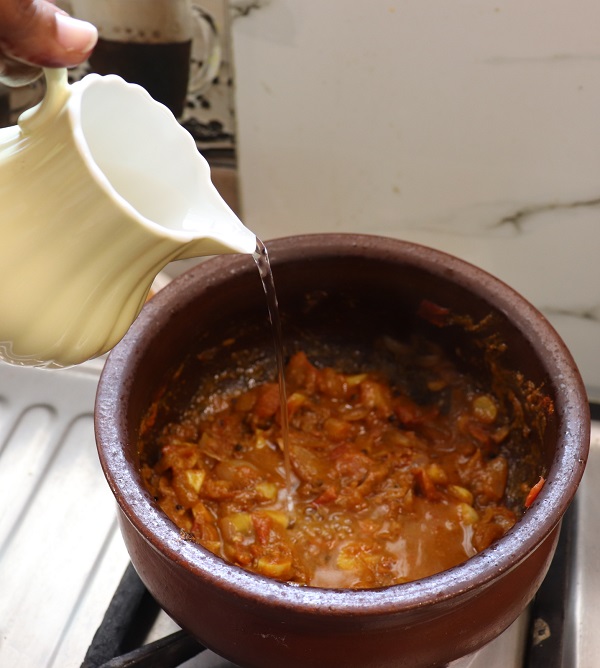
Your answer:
<point x="130" y="615"/>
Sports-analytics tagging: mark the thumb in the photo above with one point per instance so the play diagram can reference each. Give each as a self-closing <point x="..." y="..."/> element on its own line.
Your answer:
<point x="36" y="32"/>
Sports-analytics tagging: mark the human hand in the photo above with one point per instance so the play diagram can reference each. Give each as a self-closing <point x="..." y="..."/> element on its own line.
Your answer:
<point x="36" y="34"/>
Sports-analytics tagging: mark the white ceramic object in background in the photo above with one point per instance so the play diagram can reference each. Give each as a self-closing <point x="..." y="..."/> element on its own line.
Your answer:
<point x="100" y="189"/>
<point x="468" y="126"/>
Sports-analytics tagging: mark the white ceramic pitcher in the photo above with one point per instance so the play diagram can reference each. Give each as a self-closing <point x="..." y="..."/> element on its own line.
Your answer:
<point x="100" y="188"/>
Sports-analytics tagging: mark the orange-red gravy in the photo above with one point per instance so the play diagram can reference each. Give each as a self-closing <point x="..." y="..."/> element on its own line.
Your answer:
<point x="385" y="490"/>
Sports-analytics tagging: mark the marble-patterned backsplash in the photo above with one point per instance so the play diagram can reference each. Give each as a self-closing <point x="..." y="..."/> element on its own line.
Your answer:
<point x="467" y="126"/>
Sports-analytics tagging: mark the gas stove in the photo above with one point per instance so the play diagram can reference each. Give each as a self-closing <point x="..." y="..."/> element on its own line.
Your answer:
<point x="70" y="598"/>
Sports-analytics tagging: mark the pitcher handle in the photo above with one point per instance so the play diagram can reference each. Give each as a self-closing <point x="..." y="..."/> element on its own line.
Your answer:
<point x="57" y="93"/>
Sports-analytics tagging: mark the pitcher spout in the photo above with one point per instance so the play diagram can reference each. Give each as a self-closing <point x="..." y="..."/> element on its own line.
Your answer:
<point x="165" y="185"/>
<point x="214" y="228"/>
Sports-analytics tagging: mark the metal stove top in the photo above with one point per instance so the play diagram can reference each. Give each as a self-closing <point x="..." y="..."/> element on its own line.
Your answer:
<point x="62" y="558"/>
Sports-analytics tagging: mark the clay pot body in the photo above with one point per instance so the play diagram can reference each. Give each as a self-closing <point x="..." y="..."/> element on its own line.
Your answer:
<point x="331" y="288"/>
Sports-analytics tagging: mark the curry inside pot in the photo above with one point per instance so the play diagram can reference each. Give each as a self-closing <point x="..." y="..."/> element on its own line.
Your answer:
<point x="401" y="337"/>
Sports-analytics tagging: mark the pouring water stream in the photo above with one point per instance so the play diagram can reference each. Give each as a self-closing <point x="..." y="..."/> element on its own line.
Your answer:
<point x="261" y="258"/>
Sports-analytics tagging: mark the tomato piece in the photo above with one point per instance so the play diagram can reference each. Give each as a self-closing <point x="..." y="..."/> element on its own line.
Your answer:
<point x="433" y="313"/>
<point x="328" y="495"/>
<point x="300" y="373"/>
<point x="267" y="401"/>
<point x="534" y="491"/>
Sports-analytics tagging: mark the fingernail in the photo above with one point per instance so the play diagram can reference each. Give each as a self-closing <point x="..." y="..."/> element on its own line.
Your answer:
<point x="75" y="35"/>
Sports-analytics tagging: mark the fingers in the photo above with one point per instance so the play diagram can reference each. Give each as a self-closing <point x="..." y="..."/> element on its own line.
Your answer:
<point x="36" y="33"/>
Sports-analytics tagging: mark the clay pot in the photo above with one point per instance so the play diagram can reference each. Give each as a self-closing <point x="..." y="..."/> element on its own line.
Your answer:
<point x="336" y="288"/>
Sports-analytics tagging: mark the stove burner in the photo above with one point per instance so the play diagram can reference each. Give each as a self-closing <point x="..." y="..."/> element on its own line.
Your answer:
<point x="128" y="618"/>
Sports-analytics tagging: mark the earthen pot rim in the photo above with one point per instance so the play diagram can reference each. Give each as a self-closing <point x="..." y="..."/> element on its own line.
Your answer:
<point x="506" y="554"/>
